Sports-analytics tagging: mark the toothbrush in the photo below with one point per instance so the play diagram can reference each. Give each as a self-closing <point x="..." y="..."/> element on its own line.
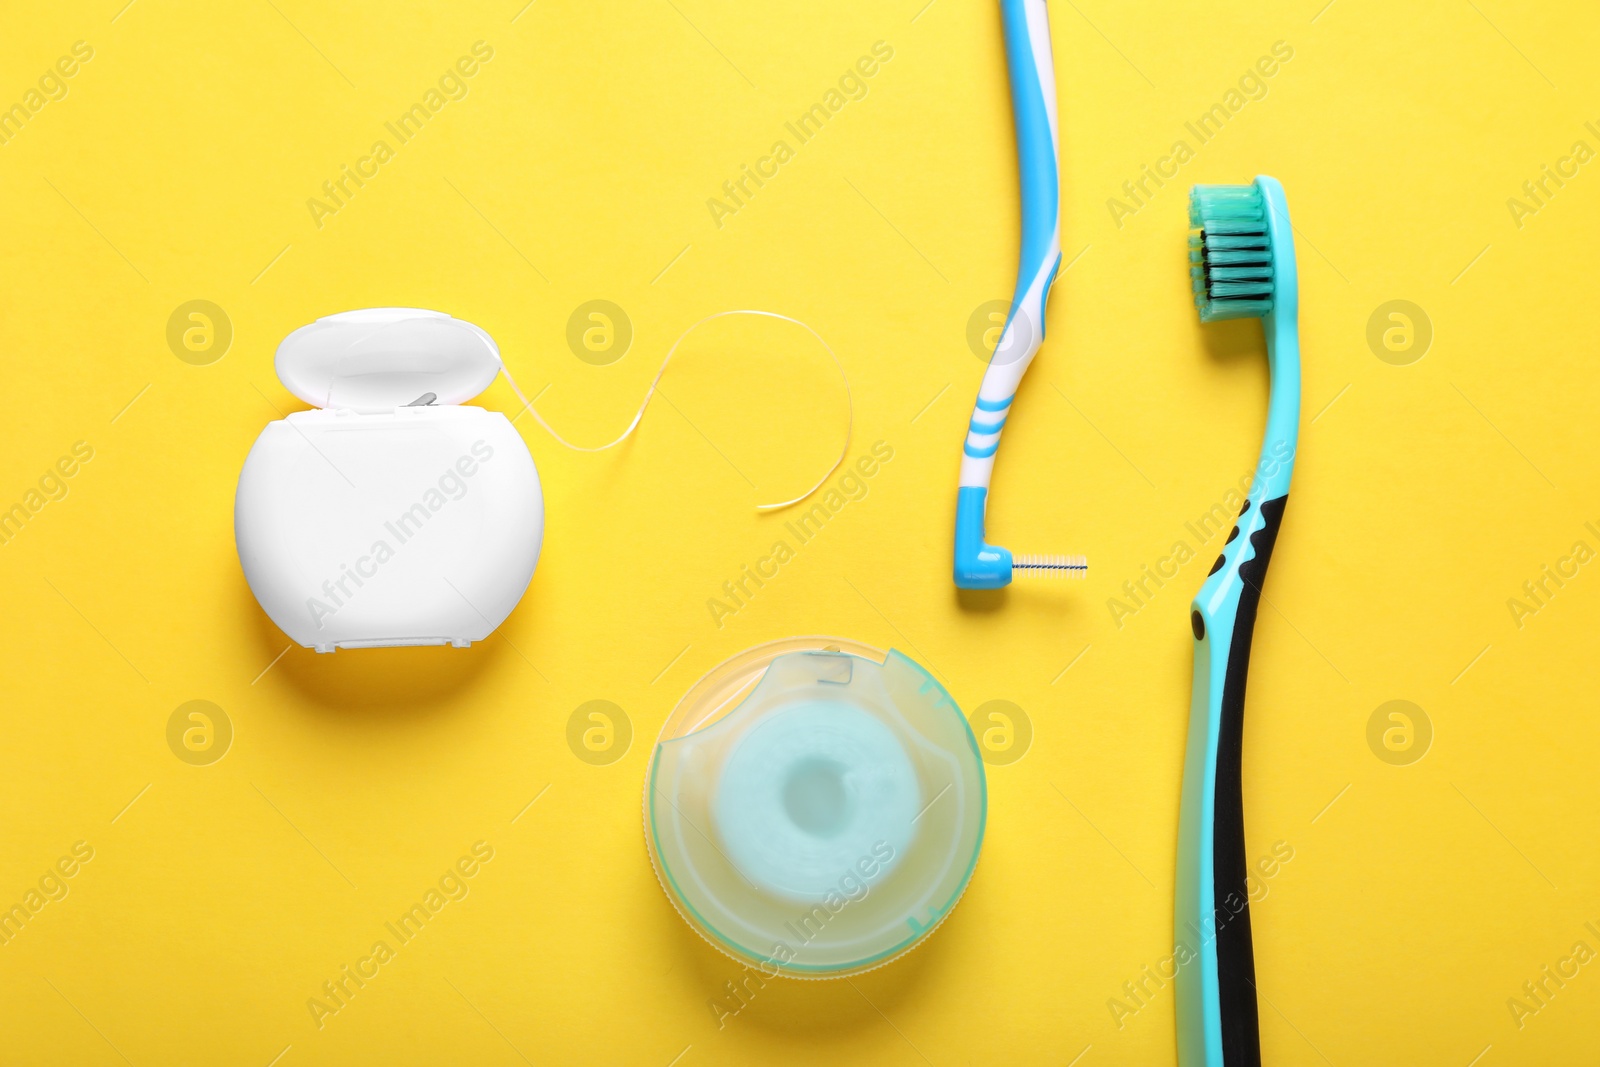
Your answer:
<point x="1241" y="255"/>
<point x="979" y="565"/>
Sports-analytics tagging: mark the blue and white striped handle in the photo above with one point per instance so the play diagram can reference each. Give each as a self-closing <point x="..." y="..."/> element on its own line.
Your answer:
<point x="1033" y="102"/>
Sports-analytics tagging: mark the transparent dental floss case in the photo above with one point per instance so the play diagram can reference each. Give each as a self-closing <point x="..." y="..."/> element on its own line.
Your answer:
<point x="815" y="807"/>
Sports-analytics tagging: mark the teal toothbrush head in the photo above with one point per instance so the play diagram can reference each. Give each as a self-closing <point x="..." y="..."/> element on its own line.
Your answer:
<point x="1242" y="265"/>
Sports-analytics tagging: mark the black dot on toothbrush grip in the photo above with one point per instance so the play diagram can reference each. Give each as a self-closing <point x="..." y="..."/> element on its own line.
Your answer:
<point x="1215" y="567"/>
<point x="1232" y="534"/>
<point x="1198" y="623"/>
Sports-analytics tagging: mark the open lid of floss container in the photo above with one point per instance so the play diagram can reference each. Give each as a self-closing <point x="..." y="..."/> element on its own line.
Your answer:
<point x="378" y="359"/>
<point x="815" y="806"/>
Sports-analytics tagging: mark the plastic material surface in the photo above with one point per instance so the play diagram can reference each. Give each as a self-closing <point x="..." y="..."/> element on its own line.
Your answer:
<point x="413" y="525"/>
<point x="376" y="359"/>
<point x="813" y="811"/>
<point x="1031" y="65"/>
<point x="1218" y="1018"/>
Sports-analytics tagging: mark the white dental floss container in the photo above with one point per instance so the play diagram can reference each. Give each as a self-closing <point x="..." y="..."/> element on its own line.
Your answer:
<point x="392" y="513"/>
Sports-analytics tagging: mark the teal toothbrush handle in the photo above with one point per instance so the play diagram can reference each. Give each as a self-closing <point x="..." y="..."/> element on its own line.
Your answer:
<point x="1218" y="1023"/>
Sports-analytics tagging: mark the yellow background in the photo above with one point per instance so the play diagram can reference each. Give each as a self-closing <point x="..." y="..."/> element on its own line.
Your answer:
<point x="1420" y="897"/>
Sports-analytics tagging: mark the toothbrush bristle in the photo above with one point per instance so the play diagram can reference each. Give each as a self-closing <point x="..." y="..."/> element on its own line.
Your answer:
<point x="1051" y="566"/>
<point x="1230" y="254"/>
